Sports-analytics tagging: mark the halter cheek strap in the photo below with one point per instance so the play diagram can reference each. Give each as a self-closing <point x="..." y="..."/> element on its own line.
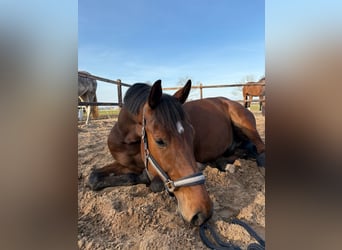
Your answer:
<point x="170" y="185"/>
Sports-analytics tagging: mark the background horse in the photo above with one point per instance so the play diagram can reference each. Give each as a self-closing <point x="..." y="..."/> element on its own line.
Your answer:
<point x="248" y="91"/>
<point x="87" y="93"/>
<point x="177" y="136"/>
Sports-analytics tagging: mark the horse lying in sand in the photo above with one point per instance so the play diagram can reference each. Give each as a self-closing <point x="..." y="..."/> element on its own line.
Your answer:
<point x="159" y="139"/>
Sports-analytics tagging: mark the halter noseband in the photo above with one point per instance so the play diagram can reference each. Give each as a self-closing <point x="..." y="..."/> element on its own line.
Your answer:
<point x="170" y="185"/>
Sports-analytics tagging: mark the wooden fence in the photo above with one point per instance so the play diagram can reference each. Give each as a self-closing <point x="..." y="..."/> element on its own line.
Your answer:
<point x="121" y="84"/>
<point x="118" y="83"/>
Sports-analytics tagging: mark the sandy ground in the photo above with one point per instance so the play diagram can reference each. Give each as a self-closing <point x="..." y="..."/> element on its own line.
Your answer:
<point x="135" y="218"/>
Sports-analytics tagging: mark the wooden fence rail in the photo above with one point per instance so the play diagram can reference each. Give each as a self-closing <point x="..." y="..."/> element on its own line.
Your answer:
<point x="121" y="84"/>
<point x="201" y="87"/>
<point x="104" y="79"/>
<point x="118" y="83"/>
<point x="98" y="104"/>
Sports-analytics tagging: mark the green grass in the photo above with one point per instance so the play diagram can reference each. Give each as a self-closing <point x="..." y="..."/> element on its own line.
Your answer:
<point x="109" y="112"/>
<point x="255" y="106"/>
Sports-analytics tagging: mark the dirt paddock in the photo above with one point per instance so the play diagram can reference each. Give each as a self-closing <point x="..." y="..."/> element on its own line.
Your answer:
<point x="135" y="218"/>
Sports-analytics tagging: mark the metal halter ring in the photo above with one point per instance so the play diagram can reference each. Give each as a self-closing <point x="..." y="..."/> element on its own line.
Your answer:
<point x="170" y="186"/>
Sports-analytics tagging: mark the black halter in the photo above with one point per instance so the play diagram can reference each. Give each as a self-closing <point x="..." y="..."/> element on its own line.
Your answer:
<point x="170" y="185"/>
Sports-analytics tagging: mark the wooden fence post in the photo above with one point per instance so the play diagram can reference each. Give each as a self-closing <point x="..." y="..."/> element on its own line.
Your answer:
<point x="119" y="93"/>
<point x="201" y="91"/>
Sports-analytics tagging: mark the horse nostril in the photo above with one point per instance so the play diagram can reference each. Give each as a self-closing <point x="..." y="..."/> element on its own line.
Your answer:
<point x="198" y="219"/>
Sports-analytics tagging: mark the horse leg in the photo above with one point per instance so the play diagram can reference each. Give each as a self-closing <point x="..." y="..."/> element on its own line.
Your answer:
<point x="85" y="98"/>
<point x="250" y="98"/>
<point x="88" y="113"/>
<point x="94" y="109"/>
<point x="221" y="162"/>
<point x="260" y="102"/>
<point x="243" y="150"/>
<point x="128" y="167"/>
<point x="263" y="108"/>
<point x="115" y="174"/>
<point x="81" y="109"/>
<point x="248" y="149"/>
<point x="247" y="103"/>
<point x="255" y="147"/>
<point x="245" y="122"/>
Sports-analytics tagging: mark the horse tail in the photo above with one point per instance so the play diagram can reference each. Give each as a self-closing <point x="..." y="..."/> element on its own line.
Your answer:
<point x="95" y="109"/>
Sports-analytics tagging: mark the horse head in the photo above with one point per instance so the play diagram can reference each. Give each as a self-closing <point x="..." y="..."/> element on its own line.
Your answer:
<point x="169" y="154"/>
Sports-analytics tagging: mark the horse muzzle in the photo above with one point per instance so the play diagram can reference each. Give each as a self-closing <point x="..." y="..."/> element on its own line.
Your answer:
<point x="194" y="204"/>
<point x="199" y="219"/>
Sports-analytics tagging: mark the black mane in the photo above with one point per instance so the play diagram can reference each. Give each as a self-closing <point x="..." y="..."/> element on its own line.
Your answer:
<point x="168" y="111"/>
<point x="136" y="97"/>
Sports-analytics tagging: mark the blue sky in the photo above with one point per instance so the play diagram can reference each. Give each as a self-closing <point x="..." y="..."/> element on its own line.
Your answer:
<point x="212" y="42"/>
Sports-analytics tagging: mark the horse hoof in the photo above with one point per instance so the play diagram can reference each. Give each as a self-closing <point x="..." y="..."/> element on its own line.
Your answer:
<point x="251" y="149"/>
<point x="261" y="160"/>
<point x="94" y="181"/>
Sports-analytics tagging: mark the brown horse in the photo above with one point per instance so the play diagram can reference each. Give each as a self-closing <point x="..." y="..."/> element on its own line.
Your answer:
<point x="158" y="141"/>
<point x="87" y="93"/>
<point x="254" y="89"/>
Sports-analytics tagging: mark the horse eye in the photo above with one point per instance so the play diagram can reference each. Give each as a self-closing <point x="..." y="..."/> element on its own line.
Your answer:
<point x="160" y="143"/>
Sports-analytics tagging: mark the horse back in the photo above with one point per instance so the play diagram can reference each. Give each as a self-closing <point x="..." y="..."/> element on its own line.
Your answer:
<point x="254" y="90"/>
<point x="213" y="128"/>
<point x="219" y="125"/>
<point x="86" y="85"/>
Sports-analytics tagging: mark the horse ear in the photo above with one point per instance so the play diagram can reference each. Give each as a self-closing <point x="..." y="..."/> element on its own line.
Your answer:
<point x="183" y="93"/>
<point x="155" y="94"/>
